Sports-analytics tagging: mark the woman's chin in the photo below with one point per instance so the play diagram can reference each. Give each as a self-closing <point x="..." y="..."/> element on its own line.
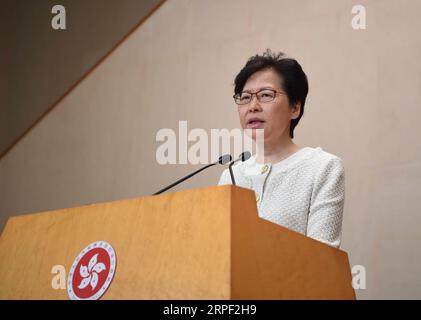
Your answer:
<point x="255" y="134"/>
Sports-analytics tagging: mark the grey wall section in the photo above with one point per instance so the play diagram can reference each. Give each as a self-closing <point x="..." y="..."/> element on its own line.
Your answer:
<point x="39" y="64"/>
<point x="364" y="105"/>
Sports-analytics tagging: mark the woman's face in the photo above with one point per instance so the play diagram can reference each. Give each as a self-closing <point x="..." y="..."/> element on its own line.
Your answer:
<point x="274" y="116"/>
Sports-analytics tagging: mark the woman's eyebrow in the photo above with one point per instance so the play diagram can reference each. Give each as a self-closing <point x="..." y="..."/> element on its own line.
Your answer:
<point x="262" y="88"/>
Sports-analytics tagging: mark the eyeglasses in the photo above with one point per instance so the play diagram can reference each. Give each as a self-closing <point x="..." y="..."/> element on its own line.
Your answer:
<point x="263" y="95"/>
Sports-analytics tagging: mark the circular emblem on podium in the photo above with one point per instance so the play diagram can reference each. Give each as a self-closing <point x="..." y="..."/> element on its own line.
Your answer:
<point x="92" y="272"/>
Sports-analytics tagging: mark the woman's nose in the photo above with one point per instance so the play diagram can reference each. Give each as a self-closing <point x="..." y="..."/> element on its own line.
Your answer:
<point x="254" y="104"/>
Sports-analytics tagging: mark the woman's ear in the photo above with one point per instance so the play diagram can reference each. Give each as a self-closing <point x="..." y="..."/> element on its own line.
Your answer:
<point x="295" y="110"/>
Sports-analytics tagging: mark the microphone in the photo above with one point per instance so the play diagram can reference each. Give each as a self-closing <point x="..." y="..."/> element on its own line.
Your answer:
<point x="243" y="157"/>
<point x="222" y="160"/>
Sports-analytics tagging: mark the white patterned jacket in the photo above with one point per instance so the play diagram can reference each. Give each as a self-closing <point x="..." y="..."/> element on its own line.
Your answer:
<point x="304" y="192"/>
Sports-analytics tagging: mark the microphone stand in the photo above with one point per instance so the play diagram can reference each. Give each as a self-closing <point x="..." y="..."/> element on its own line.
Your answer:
<point x="243" y="157"/>
<point x="222" y="160"/>
<point x="185" y="178"/>
<point x="232" y="173"/>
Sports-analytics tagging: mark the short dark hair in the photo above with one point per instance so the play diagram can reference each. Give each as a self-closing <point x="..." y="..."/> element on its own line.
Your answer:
<point x="293" y="79"/>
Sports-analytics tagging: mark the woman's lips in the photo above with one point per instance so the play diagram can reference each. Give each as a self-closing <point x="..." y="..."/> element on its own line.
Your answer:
<point x="255" y="124"/>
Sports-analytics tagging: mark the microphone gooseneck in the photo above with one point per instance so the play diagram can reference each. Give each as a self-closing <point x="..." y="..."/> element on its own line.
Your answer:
<point x="222" y="160"/>
<point x="242" y="157"/>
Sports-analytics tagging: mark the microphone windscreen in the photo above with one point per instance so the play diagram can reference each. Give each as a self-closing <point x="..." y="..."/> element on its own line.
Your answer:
<point x="226" y="158"/>
<point x="245" y="155"/>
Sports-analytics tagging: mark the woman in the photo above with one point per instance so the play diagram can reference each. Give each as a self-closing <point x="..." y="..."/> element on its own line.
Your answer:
<point x="299" y="188"/>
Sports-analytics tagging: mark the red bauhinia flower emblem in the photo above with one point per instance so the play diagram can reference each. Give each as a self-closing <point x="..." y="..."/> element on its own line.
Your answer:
<point x="90" y="273"/>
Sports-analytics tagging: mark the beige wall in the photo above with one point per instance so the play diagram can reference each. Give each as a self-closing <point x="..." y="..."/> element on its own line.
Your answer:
<point x="364" y="105"/>
<point x="39" y="64"/>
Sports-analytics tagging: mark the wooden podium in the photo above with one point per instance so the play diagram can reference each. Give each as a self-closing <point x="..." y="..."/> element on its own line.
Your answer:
<point x="196" y="244"/>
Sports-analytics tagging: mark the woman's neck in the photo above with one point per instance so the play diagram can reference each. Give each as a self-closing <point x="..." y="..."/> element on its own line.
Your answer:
<point x="277" y="152"/>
